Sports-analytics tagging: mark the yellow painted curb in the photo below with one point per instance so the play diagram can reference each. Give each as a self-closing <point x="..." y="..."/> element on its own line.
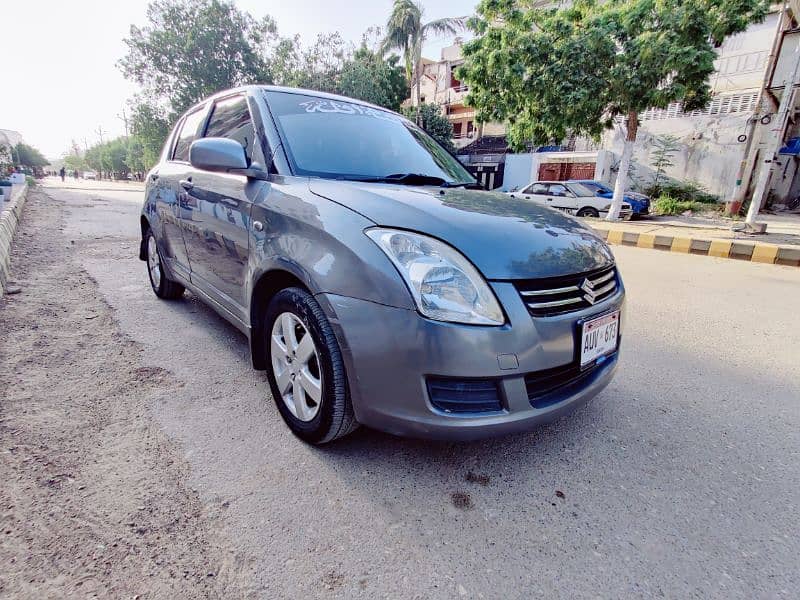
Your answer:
<point x="615" y="236"/>
<point x="764" y="253"/>
<point x="646" y="240"/>
<point x="720" y="248"/>
<point x="680" y="244"/>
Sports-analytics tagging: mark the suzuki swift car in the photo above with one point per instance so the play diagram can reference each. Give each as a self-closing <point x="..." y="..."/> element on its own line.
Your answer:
<point x="374" y="284"/>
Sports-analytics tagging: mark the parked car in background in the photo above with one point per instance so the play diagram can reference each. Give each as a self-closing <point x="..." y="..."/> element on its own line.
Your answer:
<point x="90" y="175"/>
<point x="374" y="284"/>
<point x="569" y="196"/>
<point x="640" y="203"/>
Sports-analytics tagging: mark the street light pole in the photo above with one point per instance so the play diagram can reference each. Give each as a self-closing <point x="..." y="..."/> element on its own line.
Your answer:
<point x="773" y="146"/>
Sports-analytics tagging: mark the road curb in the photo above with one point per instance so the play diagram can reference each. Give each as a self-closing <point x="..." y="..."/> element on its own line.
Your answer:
<point x="9" y="219"/>
<point x="760" y="252"/>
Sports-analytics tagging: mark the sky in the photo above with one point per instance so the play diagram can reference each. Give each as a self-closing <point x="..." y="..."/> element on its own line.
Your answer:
<point x="60" y="81"/>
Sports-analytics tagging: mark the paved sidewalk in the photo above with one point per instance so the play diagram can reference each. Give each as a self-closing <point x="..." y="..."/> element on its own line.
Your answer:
<point x="711" y="237"/>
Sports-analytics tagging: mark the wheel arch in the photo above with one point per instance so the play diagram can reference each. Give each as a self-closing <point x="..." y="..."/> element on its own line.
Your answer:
<point x="145" y="226"/>
<point x="266" y="286"/>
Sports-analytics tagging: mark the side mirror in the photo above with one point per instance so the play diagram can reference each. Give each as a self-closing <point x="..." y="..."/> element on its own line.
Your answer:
<point x="223" y="156"/>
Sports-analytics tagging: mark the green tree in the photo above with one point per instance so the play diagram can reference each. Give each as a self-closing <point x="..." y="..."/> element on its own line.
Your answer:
<point x="369" y="77"/>
<point x="664" y="148"/>
<point x="28" y="156"/>
<point x="330" y="65"/>
<point x="150" y="126"/>
<point x="585" y="67"/>
<point x="434" y="122"/>
<point x="193" y="48"/>
<point x="406" y="33"/>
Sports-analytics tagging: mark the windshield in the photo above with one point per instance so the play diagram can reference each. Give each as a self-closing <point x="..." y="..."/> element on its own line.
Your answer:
<point x="595" y="186"/>
<point x="342" y="140"/>
<point x="580" y="189"/>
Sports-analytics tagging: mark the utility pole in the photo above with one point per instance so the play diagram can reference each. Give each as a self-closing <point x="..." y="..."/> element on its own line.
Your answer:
<point x="745" y="171"/>
<point x="774" y="142"/>
<point x="99" y="132"/>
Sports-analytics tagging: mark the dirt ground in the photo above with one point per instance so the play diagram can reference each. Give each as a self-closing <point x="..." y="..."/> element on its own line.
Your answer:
<point x="93" y="500"/>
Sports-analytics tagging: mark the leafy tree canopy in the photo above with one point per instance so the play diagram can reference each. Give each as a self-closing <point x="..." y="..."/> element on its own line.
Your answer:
<point x="547" y="72"/>
<point x="28" y="156"/>
<point x="178" y="65"/>
<point x="193" y="48"/>
<point x="331" y="65"/>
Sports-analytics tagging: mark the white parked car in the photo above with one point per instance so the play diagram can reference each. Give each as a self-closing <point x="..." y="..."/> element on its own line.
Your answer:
<point x="89" y="175"/>
<point x="569" y="196"/>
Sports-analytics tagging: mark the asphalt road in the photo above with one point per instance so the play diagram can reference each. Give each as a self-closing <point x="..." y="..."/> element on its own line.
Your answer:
<point x="680" y="480"/>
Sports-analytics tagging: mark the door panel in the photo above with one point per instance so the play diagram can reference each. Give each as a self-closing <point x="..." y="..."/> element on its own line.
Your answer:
<point x="170" y="207"/>
<point x="560" y="197"/>
<point x="169" y="214"/>
<point x="216" y="227"/>
<point x="217" y="211"/>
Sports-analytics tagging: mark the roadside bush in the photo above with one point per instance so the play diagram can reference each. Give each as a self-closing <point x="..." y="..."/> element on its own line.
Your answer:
<point x="666" y="205"/>
<point x="686" y="191"/>
<point x="30" y="181"/>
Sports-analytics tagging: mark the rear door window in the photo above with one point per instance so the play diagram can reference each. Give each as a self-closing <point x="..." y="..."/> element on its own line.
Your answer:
<point x="231" y="119"/>
<point x="536" y="188"/>
<point x="556" y="189"/>
<point x="188" y="133"/>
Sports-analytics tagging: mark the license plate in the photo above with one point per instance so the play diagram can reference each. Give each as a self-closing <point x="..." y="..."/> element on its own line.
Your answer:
<point x="599" y="337"/>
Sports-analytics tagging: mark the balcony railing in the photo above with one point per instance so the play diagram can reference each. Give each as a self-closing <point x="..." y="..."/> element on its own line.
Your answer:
<point x="460" y="88"/>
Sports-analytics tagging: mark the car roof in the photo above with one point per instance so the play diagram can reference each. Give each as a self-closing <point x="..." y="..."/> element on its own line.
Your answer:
<point x="252" y="89"/>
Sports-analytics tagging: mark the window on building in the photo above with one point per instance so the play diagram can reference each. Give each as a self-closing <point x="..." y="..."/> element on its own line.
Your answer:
<point x="457" y="129"/>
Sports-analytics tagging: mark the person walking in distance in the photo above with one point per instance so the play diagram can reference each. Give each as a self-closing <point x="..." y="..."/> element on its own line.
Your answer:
<point x="63" y="173"/>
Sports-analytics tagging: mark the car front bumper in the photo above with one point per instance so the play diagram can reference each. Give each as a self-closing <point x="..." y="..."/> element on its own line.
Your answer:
<point x="391" y="353"/>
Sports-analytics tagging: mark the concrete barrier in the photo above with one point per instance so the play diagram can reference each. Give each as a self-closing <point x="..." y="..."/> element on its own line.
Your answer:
<point x="761" y="252"/>
<point x="10" y="214"/>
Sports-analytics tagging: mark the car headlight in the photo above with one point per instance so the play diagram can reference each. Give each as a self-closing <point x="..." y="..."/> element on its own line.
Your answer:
<point x="445" y="286"/>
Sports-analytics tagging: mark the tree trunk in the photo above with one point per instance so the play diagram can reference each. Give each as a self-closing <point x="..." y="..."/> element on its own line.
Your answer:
<point x="624" y="165"/>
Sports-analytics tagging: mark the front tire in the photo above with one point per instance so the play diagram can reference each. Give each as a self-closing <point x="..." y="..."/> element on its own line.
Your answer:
<point x="305" y="368"/>
<point x="163" y="287"/>
<point x="588" y="211"/>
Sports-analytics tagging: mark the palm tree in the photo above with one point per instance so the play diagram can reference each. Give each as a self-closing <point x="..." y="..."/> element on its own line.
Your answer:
<point x="406" y="32"/>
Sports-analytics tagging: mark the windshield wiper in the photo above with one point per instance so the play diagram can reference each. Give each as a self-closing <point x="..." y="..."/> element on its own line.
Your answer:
<point x="403" y="179"/>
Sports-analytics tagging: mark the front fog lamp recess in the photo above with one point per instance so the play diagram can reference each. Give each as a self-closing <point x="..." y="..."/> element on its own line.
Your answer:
<point x="444" y="284"/>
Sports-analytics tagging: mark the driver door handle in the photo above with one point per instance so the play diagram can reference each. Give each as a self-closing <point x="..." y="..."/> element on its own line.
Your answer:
<point x="187" y="184"/>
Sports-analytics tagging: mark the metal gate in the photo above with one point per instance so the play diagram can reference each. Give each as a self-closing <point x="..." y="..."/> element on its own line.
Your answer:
<point x="564" y="171"/>
<point x="489" y="176"/>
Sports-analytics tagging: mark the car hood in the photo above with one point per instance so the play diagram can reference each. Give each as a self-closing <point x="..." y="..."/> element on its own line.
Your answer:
<point x="506" y="238"/>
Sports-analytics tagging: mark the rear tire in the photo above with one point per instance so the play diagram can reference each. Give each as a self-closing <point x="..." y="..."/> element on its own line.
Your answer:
<point x="302" y="354"/>
<point x="588" y="211"/>
<point x="163" y="287"/>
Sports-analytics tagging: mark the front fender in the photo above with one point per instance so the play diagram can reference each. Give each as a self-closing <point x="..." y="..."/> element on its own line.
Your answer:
<point x="322" y="244"/>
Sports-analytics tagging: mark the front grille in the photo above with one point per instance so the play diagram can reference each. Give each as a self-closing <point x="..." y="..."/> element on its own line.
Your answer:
<point x="464" y="395"/>
<point x="558" y="295"/>
<point x="540" y="385"/>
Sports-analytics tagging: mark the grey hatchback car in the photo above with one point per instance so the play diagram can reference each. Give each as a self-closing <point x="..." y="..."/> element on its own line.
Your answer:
<point x="374" y="283"/>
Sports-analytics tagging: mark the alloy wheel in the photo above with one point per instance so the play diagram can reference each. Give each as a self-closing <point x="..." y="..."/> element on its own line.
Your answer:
<point x="153" y="262"/>
<point x="295" y="366"/>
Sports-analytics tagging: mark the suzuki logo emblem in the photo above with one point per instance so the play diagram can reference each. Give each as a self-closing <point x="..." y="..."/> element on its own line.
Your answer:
<point x="590" y="296"/>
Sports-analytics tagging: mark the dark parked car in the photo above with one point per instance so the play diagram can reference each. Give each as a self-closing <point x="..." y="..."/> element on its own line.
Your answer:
<point x="640" y="203"/>
<point x="374" y="285"/>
